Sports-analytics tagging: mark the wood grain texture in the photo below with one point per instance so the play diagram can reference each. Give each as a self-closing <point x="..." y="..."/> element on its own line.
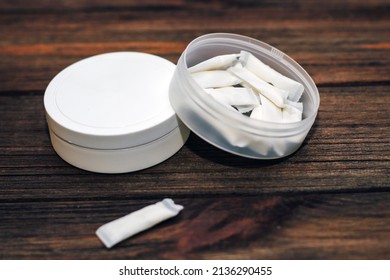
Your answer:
<point x="321" y="226"/>
<point x="329" y="200"/>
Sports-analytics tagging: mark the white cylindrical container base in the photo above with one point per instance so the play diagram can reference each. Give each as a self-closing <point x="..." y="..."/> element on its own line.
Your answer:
<point x="121" y="160"/>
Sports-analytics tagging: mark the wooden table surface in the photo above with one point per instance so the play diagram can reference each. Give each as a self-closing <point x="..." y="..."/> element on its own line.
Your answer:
<point x="329" y="200"/>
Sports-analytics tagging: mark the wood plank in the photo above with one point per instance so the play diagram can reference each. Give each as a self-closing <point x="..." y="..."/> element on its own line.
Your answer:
<point x="351" y="44"/>
<point x="351" y="144"/>
<point x="325" y="226"/>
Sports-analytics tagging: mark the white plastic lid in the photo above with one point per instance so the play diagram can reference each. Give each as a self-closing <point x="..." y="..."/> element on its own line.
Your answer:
<point x="112" y="101"/>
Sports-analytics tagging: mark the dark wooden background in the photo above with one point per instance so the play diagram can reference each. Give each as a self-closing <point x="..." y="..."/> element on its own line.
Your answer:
<point x="330" y="200"/>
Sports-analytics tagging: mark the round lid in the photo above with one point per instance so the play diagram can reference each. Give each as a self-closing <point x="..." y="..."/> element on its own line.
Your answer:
<point x="112" y="101"/>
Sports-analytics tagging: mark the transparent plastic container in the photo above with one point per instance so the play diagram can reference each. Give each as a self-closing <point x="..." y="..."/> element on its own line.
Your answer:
<point x="230" y="130"/>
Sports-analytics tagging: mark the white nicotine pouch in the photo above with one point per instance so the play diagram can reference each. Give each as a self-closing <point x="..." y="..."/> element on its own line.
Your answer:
<point x="220" y="62"/>
<point x="215" y="79"/>
<point x="265" y="72"/>
<point x="138" y="221"/>
<point x="234" y="96"/>
<point x="276" y="95"/>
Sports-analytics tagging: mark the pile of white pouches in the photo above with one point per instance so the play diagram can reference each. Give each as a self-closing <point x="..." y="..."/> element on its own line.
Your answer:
<point x="244" y="83"/>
